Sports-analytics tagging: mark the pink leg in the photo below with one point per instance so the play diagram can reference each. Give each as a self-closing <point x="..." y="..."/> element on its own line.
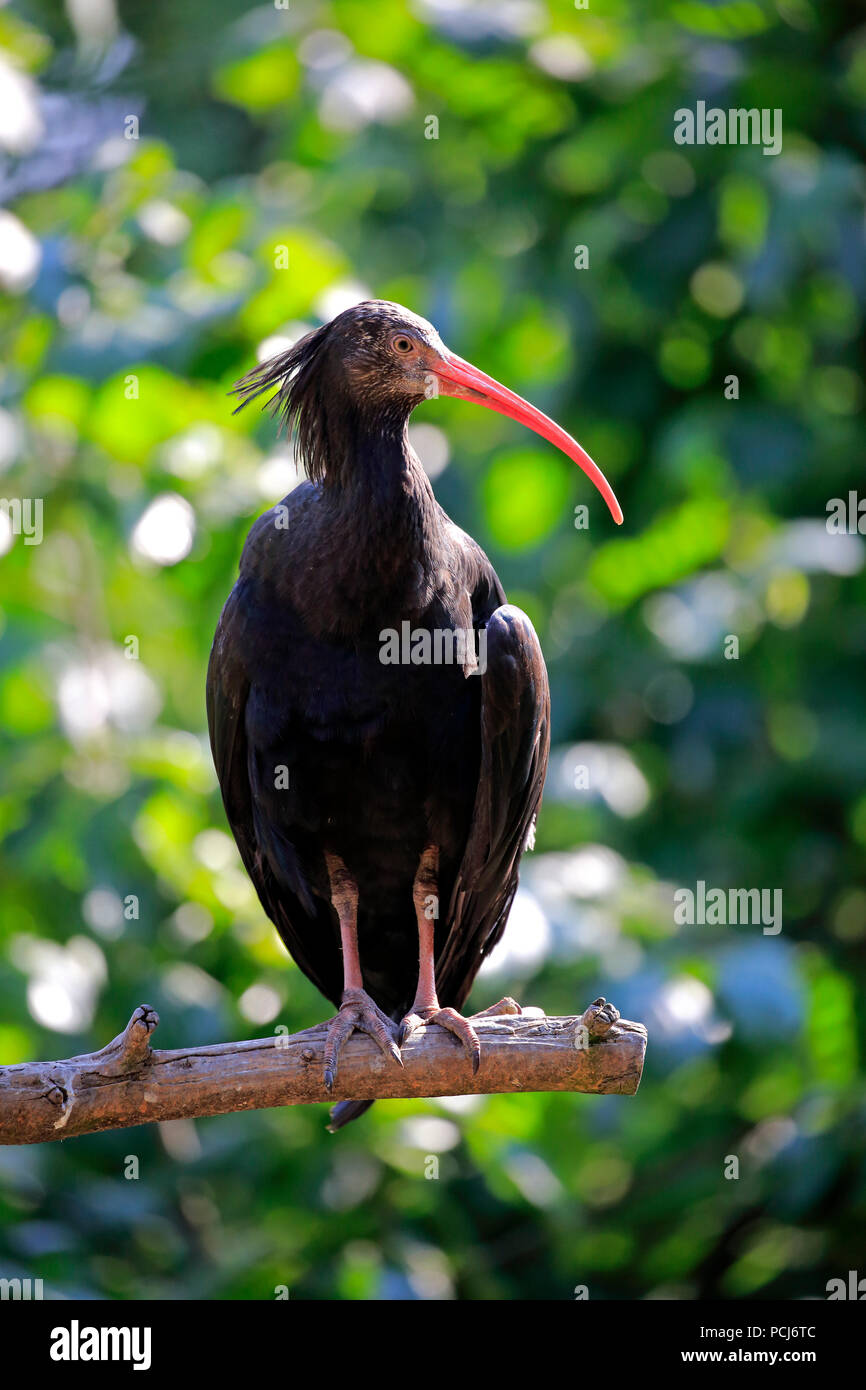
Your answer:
<point x="426" y="1008"/>
<point x="357" y="1010"/>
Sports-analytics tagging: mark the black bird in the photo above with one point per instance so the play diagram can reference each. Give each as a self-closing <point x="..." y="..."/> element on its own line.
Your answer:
<point x="378" y="713"/>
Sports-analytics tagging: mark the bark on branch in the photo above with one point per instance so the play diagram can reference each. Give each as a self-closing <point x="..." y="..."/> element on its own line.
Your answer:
<point x="129" y="1083"/>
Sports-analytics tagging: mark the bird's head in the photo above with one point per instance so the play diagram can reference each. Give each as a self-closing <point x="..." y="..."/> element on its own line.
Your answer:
<point x="385" y="360"/>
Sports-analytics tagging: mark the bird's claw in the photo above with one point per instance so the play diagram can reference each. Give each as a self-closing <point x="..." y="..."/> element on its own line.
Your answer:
<point x="505" y="1006"/>
<point x="450" y="1019"/>
<point x="358" y="1012"/>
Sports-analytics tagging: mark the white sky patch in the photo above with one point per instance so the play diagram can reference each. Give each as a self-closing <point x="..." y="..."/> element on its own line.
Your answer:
<point x="165" y="532"/>
<point x="20" y="254"/>
<point x="589" y="930"/>
<point x="343" y="295"/>
<point x="476" y="19"/>
<point x="102" y="910"/>
<point x="686" y="1004"/>
<point x="430" y="1133"/>
<point x="21" y="125"/>
<point x="277" y="343"/>
<point x="352" y="1178"/>
<point x="112" y="153"/>
<point x="11" y="436"/>
<point x="809" y="546"/>
<point x="461" y="1105"/>
<point x="693" y="620"/>
<point x="770" y="1137"/>
<point x="526" y="942"/>
<point x="671" y="619"/>
<point x="610" y="773"/>
<point x="215" y="849"/>
<point x="73" y="306"/>
<point x="432" y="447"/>
<point x="192" y="922"/>
<point x="687" y="1000"/>
<point x="277" y="475"/>
<point x="581" y="893"/>
<point x="105" y="689"/>
<point x="189" y="985"/>
<point x="362" y="92"/>
<point x="164" y="223"/>
<point x="94" y="21"/>
<point x="324" y="49"/>
<point x="274" y="346"/>
<point x="533" y="1178"/>
<point x="180" y="1140"/>
<point x="7" y="535"/>
<point x="234" y="890"/>
<point x="64" y="981"/>
<point x="193" y="453"/>
<point x="593" y="871"/>
<point x="560" y="55"/>
<point x="260" y="1003"/>
<point x="428" y="1272"/>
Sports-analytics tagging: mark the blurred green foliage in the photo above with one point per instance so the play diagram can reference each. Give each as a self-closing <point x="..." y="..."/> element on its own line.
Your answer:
<point x="141" y="276"/>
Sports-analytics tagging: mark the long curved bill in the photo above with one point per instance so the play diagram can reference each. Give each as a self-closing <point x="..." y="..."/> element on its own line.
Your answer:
<point x="459" y="378"/>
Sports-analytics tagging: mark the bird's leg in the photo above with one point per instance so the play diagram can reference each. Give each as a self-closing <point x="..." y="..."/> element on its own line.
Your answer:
<point x="357" y="1009"/>
<point x="426" y="1009"/>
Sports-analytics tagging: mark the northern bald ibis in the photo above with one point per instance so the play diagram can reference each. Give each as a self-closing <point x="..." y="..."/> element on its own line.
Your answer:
<point x="381" y="806"/>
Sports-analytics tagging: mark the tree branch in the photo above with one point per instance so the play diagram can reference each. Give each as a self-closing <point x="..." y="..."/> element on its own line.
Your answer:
<point x="127" y="1083"/>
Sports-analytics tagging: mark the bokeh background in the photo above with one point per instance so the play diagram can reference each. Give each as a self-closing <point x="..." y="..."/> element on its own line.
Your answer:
<point x="151" y="263"/>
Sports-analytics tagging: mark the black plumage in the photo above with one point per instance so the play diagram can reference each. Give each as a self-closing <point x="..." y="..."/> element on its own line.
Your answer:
<point x="352" y="784"/>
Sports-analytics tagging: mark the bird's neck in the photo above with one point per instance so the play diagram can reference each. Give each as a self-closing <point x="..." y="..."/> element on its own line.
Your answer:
<point x="385" y="524"/>
<point x="379" y="462"/>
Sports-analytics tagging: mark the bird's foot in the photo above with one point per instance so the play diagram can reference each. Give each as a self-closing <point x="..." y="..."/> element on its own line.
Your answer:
<point x="505" y="1006"/>
<point x="450" y="1019"/>
<point x="358" y="1012"/>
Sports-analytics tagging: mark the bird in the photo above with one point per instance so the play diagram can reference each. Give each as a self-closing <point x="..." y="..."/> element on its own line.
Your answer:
<point x="379" y="714"/>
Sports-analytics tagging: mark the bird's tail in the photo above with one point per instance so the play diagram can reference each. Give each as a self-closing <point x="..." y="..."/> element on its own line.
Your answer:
<point x="347" y="1110"/>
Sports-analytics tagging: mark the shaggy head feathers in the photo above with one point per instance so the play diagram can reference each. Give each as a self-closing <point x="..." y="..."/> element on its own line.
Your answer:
<point x="368" y="368"/>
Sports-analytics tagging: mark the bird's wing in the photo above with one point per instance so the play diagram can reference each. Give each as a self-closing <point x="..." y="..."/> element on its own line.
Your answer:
<point x="305" y="921"/>
<point x="515" y="742"/>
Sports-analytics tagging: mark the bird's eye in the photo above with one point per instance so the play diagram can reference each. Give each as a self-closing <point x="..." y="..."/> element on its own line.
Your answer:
<point x="402" y="344"/>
